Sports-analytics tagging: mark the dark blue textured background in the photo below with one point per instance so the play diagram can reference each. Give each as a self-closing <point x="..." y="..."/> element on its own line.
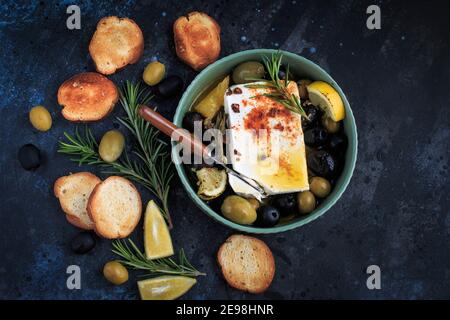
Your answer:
<point x="395" y="212"/>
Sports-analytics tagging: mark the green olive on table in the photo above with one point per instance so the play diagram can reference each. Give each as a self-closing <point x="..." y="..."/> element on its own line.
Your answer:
<point x="330" y="125"/>
<point x="306" y="202"/>
<point x="115" y="272"/>
<point x="321" y="187"/>
<point x="111" y="146"/>
<point x="40" y="118"/>
<point x="238" y="210"/>
<point x="154" y="73"/>
<point x="247" y="71"/>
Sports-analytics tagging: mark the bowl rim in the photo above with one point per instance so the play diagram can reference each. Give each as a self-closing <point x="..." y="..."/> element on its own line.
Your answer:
<point x="290" y="225"/>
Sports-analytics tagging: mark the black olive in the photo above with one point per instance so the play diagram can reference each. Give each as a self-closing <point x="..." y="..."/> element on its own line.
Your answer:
<point x="170" y="86"/>
<point x="30" y="157"/>
<point x="287" y="203"/>
<point x="282" y="74"/>
<point x="268" y="216"/>
<point x="313" y="115"/>
<point x="83" y="242"/>
<point x="315" y="137"/>
<point x="337" y="143"/>
<point x="190" y="119"/>
<point x="321" y="163"/>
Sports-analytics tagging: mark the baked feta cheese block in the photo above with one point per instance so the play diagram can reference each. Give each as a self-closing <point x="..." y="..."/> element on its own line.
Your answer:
<point x="265" y="141"/>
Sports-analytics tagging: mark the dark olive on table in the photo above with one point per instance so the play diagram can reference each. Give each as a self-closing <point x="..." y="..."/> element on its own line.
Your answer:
<point x="315" y="137"/>
<point x="330" y="125"/>
<point x="170" y="86"/>
<point x="268" y="216"/>
<point x="83" y="242"/>
<point x="247" y="71"/>
<point x="30" y="157"/>
<point x="321" y="187"/>
<point x="190" y="119"/>
<point x="321" y="163"/>
<point x="286" y="203"/>
<point x="306" y="202"/>
<point x="312" y="113"/>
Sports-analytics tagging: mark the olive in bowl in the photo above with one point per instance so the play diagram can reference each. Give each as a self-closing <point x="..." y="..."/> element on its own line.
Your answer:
<point x="268" y="216"/>
<point x="191" y="119"/>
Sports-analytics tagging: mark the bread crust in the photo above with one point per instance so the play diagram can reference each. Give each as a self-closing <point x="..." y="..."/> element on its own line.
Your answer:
<point x="102" y="226"/>
<point x="87" y="96"/>
<point x="72" y="217"/>
<point x="238" y="277"/>
<point x="116" y="43"/>
<point x="197" y="39"/>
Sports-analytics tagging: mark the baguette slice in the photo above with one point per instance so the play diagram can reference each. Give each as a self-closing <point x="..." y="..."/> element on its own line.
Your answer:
<point x="73" y="192"/>
<point x="87" y="96"/>
<point x="115" y="207"/>
<point x="197" y="39"/>
<point x="247" y="263"/>
<point x="116" y="43"/>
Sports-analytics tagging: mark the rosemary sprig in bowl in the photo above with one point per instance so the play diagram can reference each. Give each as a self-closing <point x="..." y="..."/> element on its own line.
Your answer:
<point x="278" y="88"/>
<point x="152" y="166"/>
<point x="133" y="257"/>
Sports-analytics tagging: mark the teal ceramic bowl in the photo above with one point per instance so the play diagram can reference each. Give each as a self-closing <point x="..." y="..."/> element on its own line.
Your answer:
<point x="300" y="67"/>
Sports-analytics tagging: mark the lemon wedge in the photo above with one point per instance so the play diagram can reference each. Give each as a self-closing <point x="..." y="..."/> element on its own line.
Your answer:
<point x="211" y="104"/>
<point x="324" y="96"/>
<point x="165" y="287"/>
<point x="157" y="241"/>
<point x="211" y="183"/>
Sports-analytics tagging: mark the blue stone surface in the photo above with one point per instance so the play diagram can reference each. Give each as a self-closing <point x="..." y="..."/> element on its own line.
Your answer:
<point x="394" y="214"/>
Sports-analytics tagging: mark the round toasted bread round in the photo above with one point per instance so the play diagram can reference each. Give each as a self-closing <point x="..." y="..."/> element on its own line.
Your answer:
<point x="87" y="96"/>
<point x="73" y="192"/>
<point x="116" y="43"/>
<point x="246" y="263"/>
<point x="115" y="207"/>
<point x="197" y="39"/>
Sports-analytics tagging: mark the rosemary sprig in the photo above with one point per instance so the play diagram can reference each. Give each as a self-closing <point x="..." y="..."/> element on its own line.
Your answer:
<point x="152" y="167"/>
<point x="133" y="257"/>
<point x="278" y="88"/>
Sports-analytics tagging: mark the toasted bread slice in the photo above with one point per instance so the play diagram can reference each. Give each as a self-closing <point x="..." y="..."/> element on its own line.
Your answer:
<point x="87" y="96"/>
<point x="247" y="263"/>
<point x="116" y="43"/>
<point x="73" y="192"/>
<point x="115" y="208"/>
<point x="197" y="39"/>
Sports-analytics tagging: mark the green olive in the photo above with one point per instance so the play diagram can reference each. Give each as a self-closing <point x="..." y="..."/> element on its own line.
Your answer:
<point x="306" y="202"/>
<point x="238" y="210"/>
<point x="255" y="203"/>
<point x="302" y="84"/>
<point x="40" y="118"/>
<point x="154" y="73"/>
<point x="247" y="71"/>
<point x="115" y="272"/>
<point x="330" y="125"/>
<point x="111" y="146"/>
<point x="320" y="187"/>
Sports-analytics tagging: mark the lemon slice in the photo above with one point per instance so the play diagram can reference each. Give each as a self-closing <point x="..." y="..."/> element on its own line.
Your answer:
<point x="157" y="241"/>
<point x="324" y="96"/>
<point x="165" y="287"/>
<point x="211" y="183"/>
<point x="211" y="104"/>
